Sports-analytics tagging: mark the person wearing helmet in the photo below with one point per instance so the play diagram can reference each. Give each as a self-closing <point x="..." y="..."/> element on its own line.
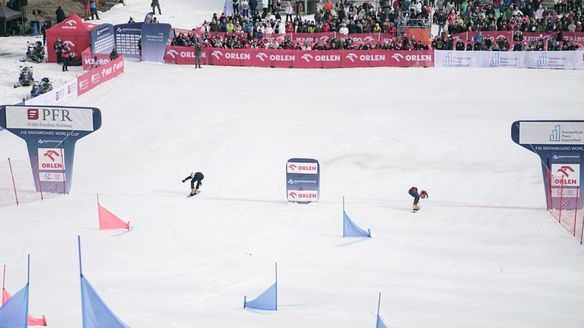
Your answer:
<point x="414" y="193"/>
<point x="194" y="177"/>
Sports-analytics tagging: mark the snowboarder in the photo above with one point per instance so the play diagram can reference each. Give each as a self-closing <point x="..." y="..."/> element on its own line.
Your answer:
<point x="194" y="177"/>
<point x="414" y="193"/>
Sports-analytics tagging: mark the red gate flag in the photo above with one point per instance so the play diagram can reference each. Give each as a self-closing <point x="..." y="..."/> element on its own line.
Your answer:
<point x="32" y="321"/>
<point x="108" y="220"/>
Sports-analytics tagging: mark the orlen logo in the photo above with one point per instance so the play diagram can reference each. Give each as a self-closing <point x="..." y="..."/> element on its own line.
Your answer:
<point x="69" y="43"/>
<point x="71" y="23"/>
<point x="172" y="53"/>
<point x="324" y="38"/>
<point x="303" y="168"/>
<point x="262" y="56"/>
<point x="397" y="57"/>
<point x="217" y="54"/>
<point x="33" y="114"/>
<point x="52" y="155"/>
<point x="304" y="195"/>
<point x="565" y="169"/>
<point x="307" y="57"/>
<point x="352" y="57"/>
<point x="368" y="39"/>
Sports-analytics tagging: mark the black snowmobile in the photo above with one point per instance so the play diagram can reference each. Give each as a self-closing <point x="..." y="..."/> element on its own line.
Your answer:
<point x="25" y="79"/>
<point x="39" y="88"/>
<point x="35" y="52"/>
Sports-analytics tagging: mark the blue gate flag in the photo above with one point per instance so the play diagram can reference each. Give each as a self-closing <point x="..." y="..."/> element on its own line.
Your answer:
<point x="14" y="313"/>
<point x="379" y="323"/>
<point x="350" y="229"/>
<point x="94" y="311"/>
<point x="268" y="300"/>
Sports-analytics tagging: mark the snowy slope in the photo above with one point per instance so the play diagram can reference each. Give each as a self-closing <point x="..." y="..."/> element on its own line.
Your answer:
<point x="482" y="252"/>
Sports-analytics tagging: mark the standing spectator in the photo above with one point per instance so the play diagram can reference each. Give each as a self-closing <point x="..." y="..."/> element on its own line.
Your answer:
<point x="198" y="52"/>
<point x="155" y="4"/>
<point x="131" y="21"/>
<point x="60" y="14"/>
<point x="245" y="7"/>
<point x="253" y="5"/>
<point x="44" y="28"/>
<point x="114" y="54"/>
<point x="93" y="9"/>
<point x="85" y="9"/>
<point x="235" y="7"/>
<point x="58" y="46"/>
<point x="298" y="8"/>
<point x="265" y="4"/>
<point x="289" y="11"/>
<point x="66" y="57"/>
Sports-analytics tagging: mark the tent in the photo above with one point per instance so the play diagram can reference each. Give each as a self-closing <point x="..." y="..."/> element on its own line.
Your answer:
<point x="6" y="15"/>
<point x="74" y="32"/>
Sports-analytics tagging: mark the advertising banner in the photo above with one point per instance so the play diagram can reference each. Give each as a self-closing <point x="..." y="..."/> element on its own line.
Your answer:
<point x="99" y="75"/>
<point x="576" y="37"/>
<point x="154" y="41"/>
<point x="50" y="133"/>
<point x="560" y="146"/>
<point x="57" y="96"/>
<point x="87" y="59"/>
<point x="510" y="59"/>
<point x="182" y="56"/>
<point x="102" y="39"/>
<point x="314" y="59"/>
<point x="302" y="180"/>
<point x="127" y="38"/>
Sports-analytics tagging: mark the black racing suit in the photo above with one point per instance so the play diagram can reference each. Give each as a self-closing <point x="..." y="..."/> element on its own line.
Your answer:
<point x="196" y="177"/>
<point x="414" y="193"/>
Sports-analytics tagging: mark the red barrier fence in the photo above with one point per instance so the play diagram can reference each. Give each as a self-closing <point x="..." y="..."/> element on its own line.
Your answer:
<point x="302" y="58"/>
<point x="99" y="75"/>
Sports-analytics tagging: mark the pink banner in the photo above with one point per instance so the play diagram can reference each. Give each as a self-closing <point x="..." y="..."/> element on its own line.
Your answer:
<point x="87" y="59"/>
<point x="99" y="75"/>
<point x="576" y="37"/>
<point x="304" y="58"/>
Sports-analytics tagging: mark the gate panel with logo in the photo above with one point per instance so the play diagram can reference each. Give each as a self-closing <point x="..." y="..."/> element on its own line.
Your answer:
<point x="560" y="146"/>
<point x="302" y="180"/>
<point x="50" y="133"/>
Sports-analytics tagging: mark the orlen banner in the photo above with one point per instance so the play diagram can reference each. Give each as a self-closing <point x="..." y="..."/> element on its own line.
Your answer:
<point x="182" y="56"/>
<point x="302" y="180"/>
<point x="99" y="75"/>
<point x="318" y="59"/>
<point x="560" y="146"/>
<point x="102" y="39"/>
<point x="50" y="133"/>
<point x="154" y="41"/>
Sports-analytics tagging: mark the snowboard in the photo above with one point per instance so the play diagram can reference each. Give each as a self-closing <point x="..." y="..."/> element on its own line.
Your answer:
<point x="196" y="193"/>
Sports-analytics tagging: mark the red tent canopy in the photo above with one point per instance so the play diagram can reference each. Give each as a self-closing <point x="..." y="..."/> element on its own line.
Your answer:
<point x="74" y="32"/>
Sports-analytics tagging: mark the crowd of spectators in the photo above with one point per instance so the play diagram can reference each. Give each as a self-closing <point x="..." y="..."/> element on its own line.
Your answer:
<point x="254" y="27"/>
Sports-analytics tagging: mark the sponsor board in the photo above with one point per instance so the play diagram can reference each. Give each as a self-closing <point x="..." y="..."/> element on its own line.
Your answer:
<point x="512" y="59"/>
<point x="49" y="118"/>
<point x="99" y="75"/>
<point x="302" y="168"/>
<point x="548" y="133"/>
<point x="302" y="180"/>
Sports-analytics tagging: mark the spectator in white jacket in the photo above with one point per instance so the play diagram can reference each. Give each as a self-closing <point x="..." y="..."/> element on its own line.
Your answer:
<point x="264" y="8"/>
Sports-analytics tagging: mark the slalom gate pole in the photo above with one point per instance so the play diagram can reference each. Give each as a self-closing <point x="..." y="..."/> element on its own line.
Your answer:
<point x="39" y="177"/>
<point x="576" y="208"/>
<point x="64" y="174"/>
<point x="13" y="184"/>
<point x="561" y="200"/>
<point x="4" y="278"/>
<point x="378" y="303"/>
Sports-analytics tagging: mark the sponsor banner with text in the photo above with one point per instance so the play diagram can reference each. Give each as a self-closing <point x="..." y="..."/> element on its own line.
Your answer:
<point x="99" y="75"/>
<point x="510" y="59"/>
<point x="87" y="59"/>
<point x="303" y="58"/>
<point x="302" y="180"/>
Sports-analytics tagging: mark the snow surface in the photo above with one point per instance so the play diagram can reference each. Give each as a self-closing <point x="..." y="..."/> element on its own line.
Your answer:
<point x="482" y="252"/>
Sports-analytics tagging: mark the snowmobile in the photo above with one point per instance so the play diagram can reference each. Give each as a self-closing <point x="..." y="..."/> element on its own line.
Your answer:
<point x="39" y="88"/>
<point x="35" y="52"/>
<point x="25" y="79"/>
